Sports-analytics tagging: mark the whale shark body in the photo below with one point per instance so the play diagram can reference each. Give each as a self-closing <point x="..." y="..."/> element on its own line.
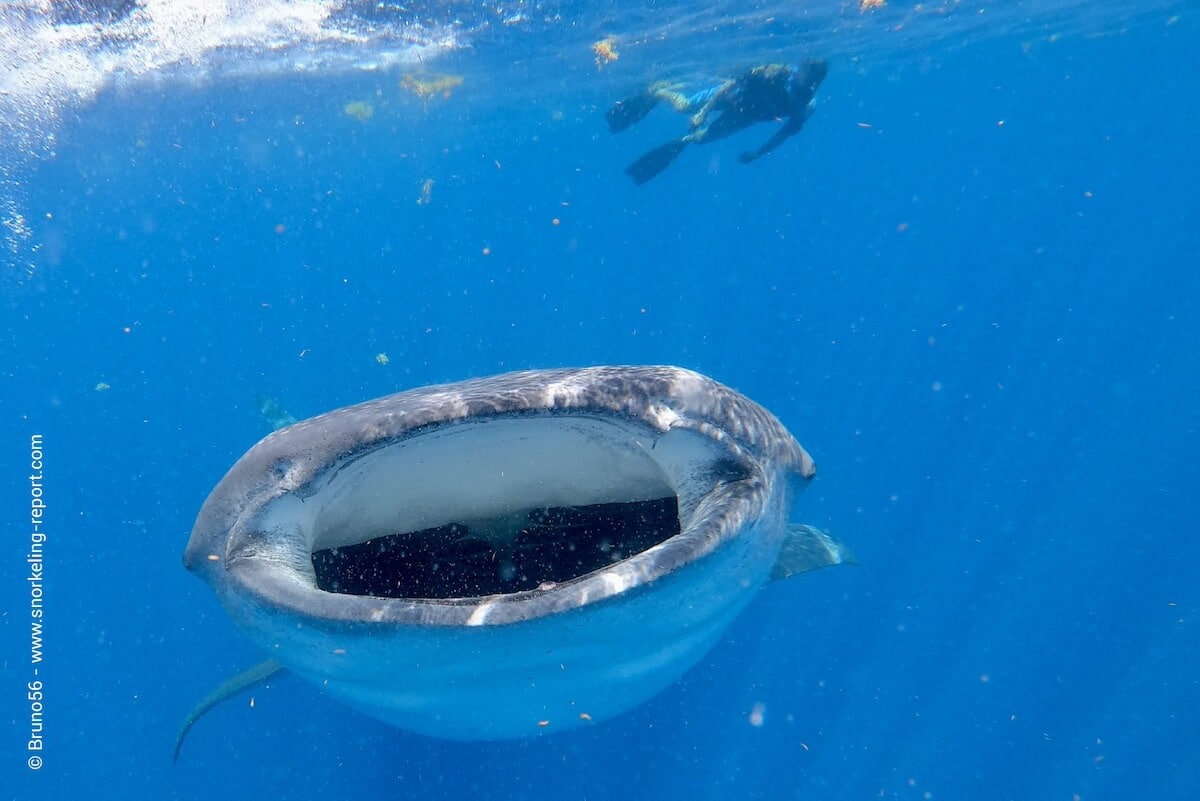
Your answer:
<point x="511" y="555"/>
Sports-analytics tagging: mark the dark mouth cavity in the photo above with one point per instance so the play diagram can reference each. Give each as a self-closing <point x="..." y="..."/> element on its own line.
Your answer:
<point x="551" y="546"/>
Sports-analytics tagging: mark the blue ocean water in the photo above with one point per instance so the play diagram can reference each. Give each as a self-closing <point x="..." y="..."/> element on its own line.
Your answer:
<point x="968" y="287"/>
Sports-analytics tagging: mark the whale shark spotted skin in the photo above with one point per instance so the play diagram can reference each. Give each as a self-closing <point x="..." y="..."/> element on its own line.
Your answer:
<point x="511" y="555"/>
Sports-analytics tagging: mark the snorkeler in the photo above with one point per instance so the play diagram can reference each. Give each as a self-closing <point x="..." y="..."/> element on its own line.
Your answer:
<point x="769" y="92"/>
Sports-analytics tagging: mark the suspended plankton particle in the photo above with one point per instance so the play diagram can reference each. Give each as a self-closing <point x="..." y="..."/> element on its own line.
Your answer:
<point x="426" y="196"/>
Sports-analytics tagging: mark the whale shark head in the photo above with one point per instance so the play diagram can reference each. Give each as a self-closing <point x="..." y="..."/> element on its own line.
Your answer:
<point x="511" y="555"/>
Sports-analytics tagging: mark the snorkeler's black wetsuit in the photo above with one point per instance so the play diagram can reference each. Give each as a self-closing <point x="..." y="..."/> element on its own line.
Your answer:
<point x="765" y="93"/>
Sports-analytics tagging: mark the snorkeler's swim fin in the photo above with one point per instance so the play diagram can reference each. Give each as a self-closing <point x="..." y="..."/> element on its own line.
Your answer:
<point x="630" y="110"/>
<point x="654" y="162"/>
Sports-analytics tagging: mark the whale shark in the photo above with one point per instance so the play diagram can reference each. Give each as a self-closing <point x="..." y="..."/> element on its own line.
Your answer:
<point x="506" y="556"/>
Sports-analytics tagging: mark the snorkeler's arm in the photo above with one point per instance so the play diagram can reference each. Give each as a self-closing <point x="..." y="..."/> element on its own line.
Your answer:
<point x="789" y="128"/>
<point x="700" y="116"/>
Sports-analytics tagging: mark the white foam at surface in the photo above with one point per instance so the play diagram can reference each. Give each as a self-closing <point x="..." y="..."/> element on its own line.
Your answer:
<point x="47" y="68"/>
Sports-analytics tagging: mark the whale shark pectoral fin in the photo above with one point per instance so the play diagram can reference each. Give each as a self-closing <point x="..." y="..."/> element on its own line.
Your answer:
<point x="808" y="548"/>
<point x="229" y="688"/>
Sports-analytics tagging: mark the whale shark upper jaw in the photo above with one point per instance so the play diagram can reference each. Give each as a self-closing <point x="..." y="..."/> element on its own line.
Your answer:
<point x="504" y="556"/>
<point x="486" y="514"/>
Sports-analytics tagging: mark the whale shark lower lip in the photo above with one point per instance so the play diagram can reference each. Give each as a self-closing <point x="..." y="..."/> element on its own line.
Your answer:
<point x="510" y="555"/>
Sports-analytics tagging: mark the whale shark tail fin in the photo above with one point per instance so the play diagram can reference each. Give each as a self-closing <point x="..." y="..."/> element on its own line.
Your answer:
<point x="654" y="162"/>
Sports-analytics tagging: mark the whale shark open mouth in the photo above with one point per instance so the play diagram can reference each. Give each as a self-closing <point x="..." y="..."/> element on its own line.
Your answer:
<point x="505" y="505"/>
<point x="505" y="556"/>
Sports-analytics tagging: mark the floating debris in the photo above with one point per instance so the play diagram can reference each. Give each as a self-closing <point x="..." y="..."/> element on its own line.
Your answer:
<point x="426" y="86"/>
<point x="605" y="51"/>
<point x="360" y="110"/>
<point x="273" y="412"/>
